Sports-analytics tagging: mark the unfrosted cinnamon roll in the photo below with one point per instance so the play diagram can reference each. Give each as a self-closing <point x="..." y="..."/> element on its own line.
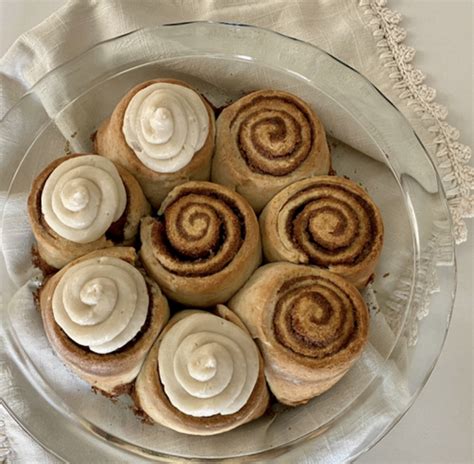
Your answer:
<point x="80" y="203"/>
<point x="310" y="324"/>
<point x="101" y="314"/>
<point x="266" y="141"/>
<point x="163" y="131"/>
<point x="327" y="221"/>
<point x="204" y="244"/>
<point x="203" y="376"/>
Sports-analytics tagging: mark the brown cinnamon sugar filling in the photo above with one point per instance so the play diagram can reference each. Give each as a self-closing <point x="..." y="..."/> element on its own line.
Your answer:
<point x="329" y="229"/>
<point x="199" y="233"/>
<point x="314" y="317"/>
<point x="274" y="134"/>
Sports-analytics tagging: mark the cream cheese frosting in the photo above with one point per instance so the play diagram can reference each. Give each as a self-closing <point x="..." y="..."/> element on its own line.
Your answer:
<point x="165" y="124"/>
<point x="101" y="303"/>
<point x="82" y="197"/>
<point x="207" y="365"/>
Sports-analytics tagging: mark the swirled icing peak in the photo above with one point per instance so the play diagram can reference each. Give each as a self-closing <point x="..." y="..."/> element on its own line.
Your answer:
<point x="207" y="365"/>
<point x="165" y="124"/>
<point x="101" y="303"/>
<point x="82" y="197"/>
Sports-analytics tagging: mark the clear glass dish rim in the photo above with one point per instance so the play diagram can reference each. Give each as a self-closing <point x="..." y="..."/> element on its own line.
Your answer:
<point x="281" y="449"/>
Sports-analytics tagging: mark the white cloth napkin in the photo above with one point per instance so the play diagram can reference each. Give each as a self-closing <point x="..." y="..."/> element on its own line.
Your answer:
<point x="364" y="34"/>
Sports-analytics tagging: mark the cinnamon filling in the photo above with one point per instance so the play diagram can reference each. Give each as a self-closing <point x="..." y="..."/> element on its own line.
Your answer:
<point x="329" y="230"/>
<point x="199" y="233"/>
<point x="275" y="138"/>
<point x="314" y="317"/>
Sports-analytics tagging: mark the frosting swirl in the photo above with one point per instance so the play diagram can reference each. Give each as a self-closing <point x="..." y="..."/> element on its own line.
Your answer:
<point x="101" y="303"/>
<point x="165" y="124"/>
<point x="82" y="197"/>
<point x="207" y="365"/>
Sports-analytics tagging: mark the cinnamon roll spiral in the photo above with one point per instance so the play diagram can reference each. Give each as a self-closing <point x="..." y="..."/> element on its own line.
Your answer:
<point x="101" y="314"/>
<point x="80" y="203"/>
<point x="204" y="375"/>
<point x="266" y="141"/>
<point x="163" y="131"/>
<point x="327" y="221"/>
<point x="204" y="244"/>
<point x="310" y="324"/>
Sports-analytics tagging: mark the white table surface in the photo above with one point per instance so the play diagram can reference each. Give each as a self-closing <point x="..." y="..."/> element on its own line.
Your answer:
<point x="438" y="429"/>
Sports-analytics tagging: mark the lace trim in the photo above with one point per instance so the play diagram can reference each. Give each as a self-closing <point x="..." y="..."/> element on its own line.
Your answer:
<point x="451" y="155"/>
<point x="451" y="158"/>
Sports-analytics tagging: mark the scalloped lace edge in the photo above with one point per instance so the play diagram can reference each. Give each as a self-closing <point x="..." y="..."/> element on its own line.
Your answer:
<point x="451" y="159"/>
<point x="451" y="156"/>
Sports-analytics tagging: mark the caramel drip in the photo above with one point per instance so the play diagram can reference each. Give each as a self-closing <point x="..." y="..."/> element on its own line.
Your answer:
<point x="199" y="233"/>
<point x="314" y="317"/>
<point x="275" y="134"/>
<point x="331" y="224"/>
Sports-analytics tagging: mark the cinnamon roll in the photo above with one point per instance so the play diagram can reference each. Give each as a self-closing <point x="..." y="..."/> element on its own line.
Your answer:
<point x="327" y="221"/>
<point x="203" y="376"/>
<point x="310" y="324"/>
<point x="80" y="203"/>
<point x="163" y="131"/>
<point x="266" y="141"/>
<point x="101" y="314"/>
<point x="204" y="244"/>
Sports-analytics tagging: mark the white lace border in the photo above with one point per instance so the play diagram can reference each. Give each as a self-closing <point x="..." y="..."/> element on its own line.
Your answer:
<point x="451" y="156"/>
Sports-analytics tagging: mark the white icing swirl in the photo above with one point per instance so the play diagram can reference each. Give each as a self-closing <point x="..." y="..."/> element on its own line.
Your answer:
<point x="101" y="303"/>
<point x="165" y="124"/>
<point x="207" y="365"/>
<point x="82" y="197"/>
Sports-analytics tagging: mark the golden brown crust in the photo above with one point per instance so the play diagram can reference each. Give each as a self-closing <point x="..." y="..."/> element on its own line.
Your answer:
<point x="107" y="372"/>
<point x="311" y="326"/>
<point x="266" y="141"/>
<point x="55" y="251"/>
<point x="137" y="207"/>
<point x="204" y="244"/>
<point x="110" y="142"/>
<point x="327" y="221"/>
<point x="150" y="397"/>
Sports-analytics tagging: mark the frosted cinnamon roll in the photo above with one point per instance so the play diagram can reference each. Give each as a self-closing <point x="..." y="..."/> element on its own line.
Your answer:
<point x="266" y="141"/>
<point x="80" y="203"/>
<point x="327" y="221"/>
<point x="101" y="314"/>
<point x="203" y="376"/>
<point x="163" y="131"/>
<point x="310" y="324"/>
<point x="204" y="244"/>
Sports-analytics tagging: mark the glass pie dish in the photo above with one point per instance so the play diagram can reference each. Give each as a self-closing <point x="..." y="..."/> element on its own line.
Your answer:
<point x="371" y="142"/>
